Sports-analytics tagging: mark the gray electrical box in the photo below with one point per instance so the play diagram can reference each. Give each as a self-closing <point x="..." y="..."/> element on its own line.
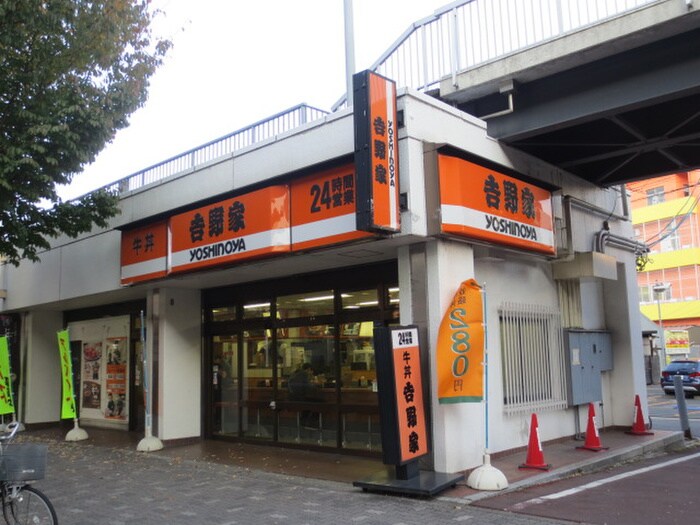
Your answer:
<point x="588" y="353"/>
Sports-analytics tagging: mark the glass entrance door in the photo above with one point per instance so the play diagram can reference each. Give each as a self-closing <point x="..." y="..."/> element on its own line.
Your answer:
<point x="258" y="385"/>
<point x="225" y="385"/>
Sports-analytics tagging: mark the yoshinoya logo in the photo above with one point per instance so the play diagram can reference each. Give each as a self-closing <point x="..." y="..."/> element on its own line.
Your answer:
<point x="513" y="228"/>
<point x="217" y="250"/>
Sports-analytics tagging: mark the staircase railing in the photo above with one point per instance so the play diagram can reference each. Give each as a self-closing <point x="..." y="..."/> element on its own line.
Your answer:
<point x="467" y="33"/>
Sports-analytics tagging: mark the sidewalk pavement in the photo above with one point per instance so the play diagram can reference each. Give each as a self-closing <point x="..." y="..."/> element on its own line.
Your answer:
<point x="563" y="455"/>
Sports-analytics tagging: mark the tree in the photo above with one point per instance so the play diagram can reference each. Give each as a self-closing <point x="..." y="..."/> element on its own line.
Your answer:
<point x="72" y="71"/>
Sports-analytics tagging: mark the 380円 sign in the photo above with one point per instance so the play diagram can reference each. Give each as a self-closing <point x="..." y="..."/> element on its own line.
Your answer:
<point x="460" y="347"/>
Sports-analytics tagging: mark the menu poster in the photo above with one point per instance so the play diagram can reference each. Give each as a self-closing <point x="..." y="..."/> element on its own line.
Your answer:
<point x="92" y="366"/>
<point x="116" y="378"/>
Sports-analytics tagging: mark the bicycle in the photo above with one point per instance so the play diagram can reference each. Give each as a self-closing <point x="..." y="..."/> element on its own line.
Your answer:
<point x="20" y="464"/>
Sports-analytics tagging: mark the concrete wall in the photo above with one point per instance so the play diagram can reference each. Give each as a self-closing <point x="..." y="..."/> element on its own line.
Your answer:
<point x="40" y="393"/>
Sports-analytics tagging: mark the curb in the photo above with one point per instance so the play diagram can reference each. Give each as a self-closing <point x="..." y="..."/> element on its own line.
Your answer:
<point x="673" y="441"/>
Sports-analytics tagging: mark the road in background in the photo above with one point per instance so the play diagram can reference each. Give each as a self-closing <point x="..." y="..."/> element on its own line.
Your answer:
<point x="663" y="411"/>
<point x="654" y="490"/>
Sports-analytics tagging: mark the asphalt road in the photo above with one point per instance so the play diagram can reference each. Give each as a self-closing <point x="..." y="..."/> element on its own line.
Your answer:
<point x="658" y="490"/>
<point x="664" y="415"/>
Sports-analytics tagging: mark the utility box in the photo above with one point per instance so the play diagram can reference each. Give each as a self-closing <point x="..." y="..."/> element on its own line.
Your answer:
<point x="588" y="353"/>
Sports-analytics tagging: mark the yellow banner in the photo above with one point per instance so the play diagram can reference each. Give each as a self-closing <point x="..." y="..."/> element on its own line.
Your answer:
<point x="460" y="347"/>
<point x="67" y="399"/>
<point x="7" y="404"/>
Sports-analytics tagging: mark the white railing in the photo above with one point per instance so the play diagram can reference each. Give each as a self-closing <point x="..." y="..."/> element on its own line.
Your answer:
<point x="467" y="33"/>
<point x="456" y="37"/>
<point x="264" y="129"/>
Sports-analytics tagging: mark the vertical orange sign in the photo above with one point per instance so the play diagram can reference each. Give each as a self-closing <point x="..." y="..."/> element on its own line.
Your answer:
<point x="412" y="433"/>
<point x="323" y="209"/>
<point x="244" y="227"/>
<point x="460" y="347"/>
<point x="483" y="204"/>
<point x="144" y="253"/>
<point x="376" y="153"/>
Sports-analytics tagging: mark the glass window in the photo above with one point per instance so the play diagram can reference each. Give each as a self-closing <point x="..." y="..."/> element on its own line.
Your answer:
<point x="255" y="309"/>
<point x="306" y="360"/>
<point x="305" y="305"/>
<point x="644" y="294"/>
<point x="671" y="239"/>
<point x="224" y="313"/>
<point x="655" y="195"/>
<point x="360" y="299"/>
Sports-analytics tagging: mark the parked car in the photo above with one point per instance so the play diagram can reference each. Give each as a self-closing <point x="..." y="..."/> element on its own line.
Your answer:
<point x="689" y="370"/>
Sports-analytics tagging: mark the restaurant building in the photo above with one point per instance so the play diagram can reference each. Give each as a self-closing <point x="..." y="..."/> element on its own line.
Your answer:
<point x="254" y="281"/>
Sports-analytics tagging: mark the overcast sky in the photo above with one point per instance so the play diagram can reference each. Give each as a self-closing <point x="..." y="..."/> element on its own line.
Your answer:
<point x="235" y="62"/>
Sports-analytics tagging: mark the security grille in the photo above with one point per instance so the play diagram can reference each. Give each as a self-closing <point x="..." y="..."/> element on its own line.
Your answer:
<point x="533" y="358"/>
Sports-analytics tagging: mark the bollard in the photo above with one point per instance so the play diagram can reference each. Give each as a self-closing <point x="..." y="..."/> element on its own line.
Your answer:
<point x="682" y="408"/>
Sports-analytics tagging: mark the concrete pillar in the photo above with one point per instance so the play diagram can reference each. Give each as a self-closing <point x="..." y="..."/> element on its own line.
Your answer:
<point x="431" y="273"/>
<point x="39" y="396"/>
<point x="176" y="315"/>
<point x="623" y="319"/>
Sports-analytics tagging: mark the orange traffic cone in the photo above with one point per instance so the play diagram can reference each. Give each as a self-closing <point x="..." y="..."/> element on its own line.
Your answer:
<point x="639" y="427"/>
<point x="592" y="438"/>
<point x="535" y="457"/>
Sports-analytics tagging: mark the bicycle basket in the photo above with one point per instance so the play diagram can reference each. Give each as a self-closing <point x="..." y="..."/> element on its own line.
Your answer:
<point x="23" y="462"/>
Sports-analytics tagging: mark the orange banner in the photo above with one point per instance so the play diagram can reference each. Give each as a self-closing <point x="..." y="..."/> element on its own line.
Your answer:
<point x="240" y="228"/>
<point x="324" y="208"/>
<point x="144" y="253"/>
<point x="483" y="204"/>
<point x="460" y="347"/>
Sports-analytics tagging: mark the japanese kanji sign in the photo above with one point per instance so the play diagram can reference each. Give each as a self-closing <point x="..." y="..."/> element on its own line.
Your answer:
<point x="323" y="209"/>
<point x="7" y="404"/>
<point x="404" y="431"/>
<point x="413" y="437"/>
<point x="67" y="399"/>
<point x="240" y="228"/>
<point x="489" y="206"/>
<point x="144" y="253"/>
<point x="460" y="347"/>
<point x="376" y="153"/>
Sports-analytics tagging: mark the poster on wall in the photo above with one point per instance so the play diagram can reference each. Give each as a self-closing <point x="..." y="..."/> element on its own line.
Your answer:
<point x="116" y="378"/>
<point x="104" y="369"/>
<point x="92" y="364"/>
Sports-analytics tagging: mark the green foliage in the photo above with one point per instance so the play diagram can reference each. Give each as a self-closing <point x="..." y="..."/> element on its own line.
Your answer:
<point x="72" y="73"/>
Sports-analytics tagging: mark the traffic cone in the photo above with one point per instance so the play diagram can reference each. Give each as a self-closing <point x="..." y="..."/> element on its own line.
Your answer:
<point x="535" y="457"/>
<point x="592" y="438"/>
<point x="639" y="428"/>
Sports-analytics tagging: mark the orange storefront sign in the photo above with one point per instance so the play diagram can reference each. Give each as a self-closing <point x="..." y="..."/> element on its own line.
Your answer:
<point x="460" y="347"/>
<point x="376" y="153"/>
<point x="144" y="253"/>
<point x="323" y="209"/>
<point x="412" y="432"/>
<point x="244" y="227"/>
<point x="485" y="205"/>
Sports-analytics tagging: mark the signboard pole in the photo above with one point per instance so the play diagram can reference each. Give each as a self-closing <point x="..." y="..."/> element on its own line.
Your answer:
<point x="402" y="416"/>
<point x="149" y="442"/>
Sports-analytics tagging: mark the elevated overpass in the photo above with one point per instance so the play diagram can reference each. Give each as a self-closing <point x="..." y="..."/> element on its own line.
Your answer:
<point x="607" y="91"/>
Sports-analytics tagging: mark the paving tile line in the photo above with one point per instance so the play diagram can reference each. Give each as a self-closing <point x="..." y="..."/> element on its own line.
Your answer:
<point x="592" y="464"/>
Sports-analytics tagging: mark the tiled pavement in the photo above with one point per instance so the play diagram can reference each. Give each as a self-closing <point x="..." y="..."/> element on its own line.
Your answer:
<point x="105" y="480"/>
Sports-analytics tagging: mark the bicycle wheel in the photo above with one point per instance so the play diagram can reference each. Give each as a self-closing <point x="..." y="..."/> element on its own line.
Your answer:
<point x="30" y="507"/>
